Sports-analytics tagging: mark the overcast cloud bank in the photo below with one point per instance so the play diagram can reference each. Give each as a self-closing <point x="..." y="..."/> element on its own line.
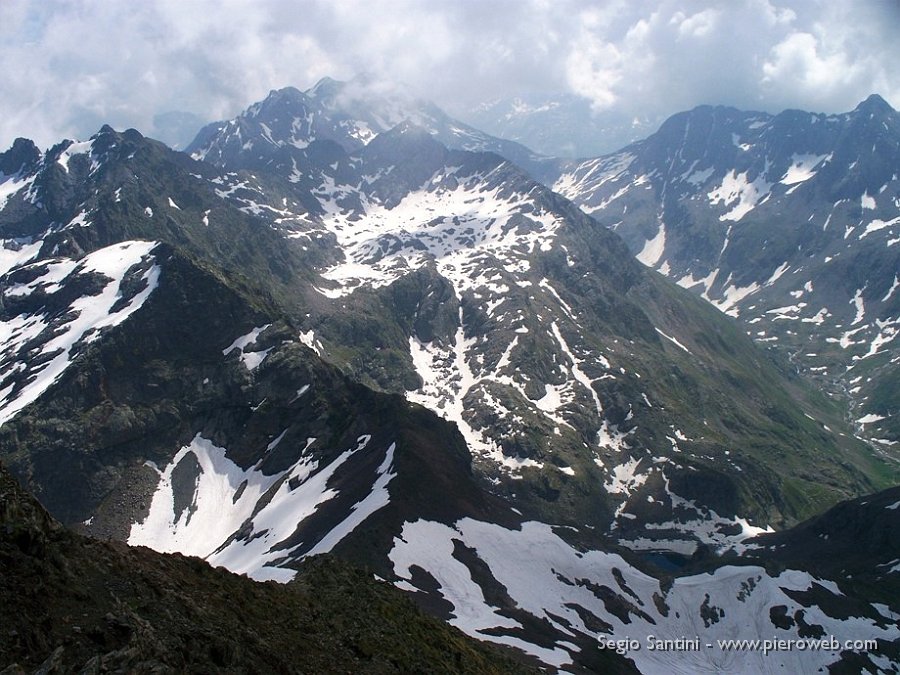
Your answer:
<point x="70" y="66"/>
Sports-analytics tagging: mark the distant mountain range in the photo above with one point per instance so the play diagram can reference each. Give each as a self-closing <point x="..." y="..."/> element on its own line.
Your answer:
<point x="560" y="125"/>
<point x="344" y="322"/>
<point x="791" y="222"/>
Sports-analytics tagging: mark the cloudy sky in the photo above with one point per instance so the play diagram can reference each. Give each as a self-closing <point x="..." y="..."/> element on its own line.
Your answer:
<point x="71" y="65"/>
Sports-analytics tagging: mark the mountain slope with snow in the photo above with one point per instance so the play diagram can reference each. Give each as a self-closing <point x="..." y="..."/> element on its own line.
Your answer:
<point x="419" y="359"/>
<point x="529" y="347"/>
<point x="288" y="127"/>
<point x="789" y="222"/>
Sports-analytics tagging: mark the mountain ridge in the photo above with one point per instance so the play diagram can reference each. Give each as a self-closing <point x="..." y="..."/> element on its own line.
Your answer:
<point x="98" y="605"/>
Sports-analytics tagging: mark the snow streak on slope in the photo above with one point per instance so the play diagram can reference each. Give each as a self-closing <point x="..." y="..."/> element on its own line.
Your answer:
<point x="598" y="595"/>
<point x="448" y="377"/>
<point x="78" y="148"/>
<point x="376" y="499"/>
<point x="459" y="371"/>
<point x="587" y="178"/>
<point x="240" y="518"/>
<point x="36" y="347"/>
<point x="10" y="185"/>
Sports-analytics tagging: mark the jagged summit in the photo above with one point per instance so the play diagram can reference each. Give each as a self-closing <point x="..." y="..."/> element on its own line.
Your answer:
<point x="402" y="142"/>
<point x="874" y="103"/>
<point x="278" y="100"/>
<point x="21" y="157"/>
<point x="279" y="129"/>
<point x="325" y="87"/>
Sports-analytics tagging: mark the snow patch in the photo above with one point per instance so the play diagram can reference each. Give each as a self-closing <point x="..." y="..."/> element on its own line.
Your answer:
<point x="858" y="302"/>
<point x="79" y="148"/>
<point x="870" y="419"/>
<point x="251" y="360"/>
<point x="866" y="201"/>
<point x="877" y="225"/>
<point x="801" y="168"/>
<point x="654" y="248"/>
<point x="737" y="189"/>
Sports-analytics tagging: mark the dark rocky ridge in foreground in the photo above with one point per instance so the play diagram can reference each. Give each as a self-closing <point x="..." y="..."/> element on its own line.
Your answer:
<point x="73" y="604"/>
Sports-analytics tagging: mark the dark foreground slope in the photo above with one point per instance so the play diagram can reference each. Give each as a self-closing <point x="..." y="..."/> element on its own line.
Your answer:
<point x="73" y="604"/>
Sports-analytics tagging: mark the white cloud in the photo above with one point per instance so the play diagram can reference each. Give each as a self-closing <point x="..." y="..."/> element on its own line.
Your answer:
<point x="593" y="70"/>
<point x="699" y="24"/>
<point x="797" y="61"/>
<point x="836" y="59"/>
